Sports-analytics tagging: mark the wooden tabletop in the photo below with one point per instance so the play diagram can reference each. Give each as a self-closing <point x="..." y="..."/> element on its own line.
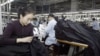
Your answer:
<point x="73" y="43"/>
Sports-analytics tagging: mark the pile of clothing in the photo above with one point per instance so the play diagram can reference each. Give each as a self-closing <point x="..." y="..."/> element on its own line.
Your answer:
<point x="75" y="31"/>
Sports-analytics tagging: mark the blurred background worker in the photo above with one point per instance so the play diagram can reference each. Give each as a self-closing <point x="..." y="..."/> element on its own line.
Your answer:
<point x="95" y="24"/>
<point x="50" y="30"/>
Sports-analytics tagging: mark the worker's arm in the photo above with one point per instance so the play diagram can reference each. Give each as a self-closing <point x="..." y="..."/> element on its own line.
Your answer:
<point x="48" y="28"/>
<point x="6" y="38"/>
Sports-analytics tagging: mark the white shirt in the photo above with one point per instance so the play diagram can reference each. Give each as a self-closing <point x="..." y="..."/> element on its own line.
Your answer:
<point x="95" y="25"/>
<point x="42" y="33"/>
<point x="51" y="32"/>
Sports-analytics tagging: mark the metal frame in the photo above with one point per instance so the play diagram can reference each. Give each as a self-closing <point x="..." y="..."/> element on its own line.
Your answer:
<point x="6" y="11"/>
<point x="0" y="22"/>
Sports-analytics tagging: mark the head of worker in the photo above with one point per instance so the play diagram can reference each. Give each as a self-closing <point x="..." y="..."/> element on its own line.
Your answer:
<point x="50" y="17"/>
<point x="26" y="15"/>
<point x="93" y="19"/>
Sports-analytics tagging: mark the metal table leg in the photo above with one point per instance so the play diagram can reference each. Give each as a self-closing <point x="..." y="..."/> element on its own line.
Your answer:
<point x="71" y="50"/>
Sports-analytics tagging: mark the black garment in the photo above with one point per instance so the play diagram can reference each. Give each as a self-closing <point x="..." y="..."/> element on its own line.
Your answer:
<point x="73" y="31"/>
<point x="36" y="48"/>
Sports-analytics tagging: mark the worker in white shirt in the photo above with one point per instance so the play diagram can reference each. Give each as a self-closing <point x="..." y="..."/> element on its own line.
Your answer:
<point x="51" y="39"/>
<point x="95" y="24"/>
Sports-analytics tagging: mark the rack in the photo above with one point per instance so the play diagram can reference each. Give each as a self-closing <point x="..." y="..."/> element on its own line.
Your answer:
<point x="5" y="6"/>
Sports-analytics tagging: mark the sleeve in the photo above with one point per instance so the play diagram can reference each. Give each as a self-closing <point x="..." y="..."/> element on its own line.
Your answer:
<point x="48" y="28"/>
<point x="94" y="24"/>
<point x="6" y="38"/>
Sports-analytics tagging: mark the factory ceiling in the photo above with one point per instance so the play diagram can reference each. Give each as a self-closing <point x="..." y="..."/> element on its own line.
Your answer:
<point x="41" y="2"/>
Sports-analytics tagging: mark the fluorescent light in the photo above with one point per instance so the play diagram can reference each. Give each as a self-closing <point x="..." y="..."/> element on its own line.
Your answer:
<point x="11" y="0"/>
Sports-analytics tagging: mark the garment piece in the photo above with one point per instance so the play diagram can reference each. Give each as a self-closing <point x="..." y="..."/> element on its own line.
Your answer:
<point x="74" y="31"/>
<point x="36" y="48"/>
<point x="42" y="33"/>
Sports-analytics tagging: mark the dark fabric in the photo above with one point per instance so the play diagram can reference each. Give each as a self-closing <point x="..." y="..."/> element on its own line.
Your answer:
<point x="74" y="31"/>
<point x="36" y="48"/>
<point x="62" y="49"/>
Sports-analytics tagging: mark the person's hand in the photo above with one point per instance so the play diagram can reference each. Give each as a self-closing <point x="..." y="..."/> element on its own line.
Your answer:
<point x="25" y="39"/>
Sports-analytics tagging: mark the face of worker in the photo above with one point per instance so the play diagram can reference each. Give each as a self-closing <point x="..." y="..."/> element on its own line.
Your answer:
<point x="50" y="18"/>
<point x="25" y="20"/>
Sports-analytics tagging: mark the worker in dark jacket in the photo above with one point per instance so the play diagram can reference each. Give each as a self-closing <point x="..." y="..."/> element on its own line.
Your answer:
<point x="18" y="35"/>
<point x="20" y="28"/>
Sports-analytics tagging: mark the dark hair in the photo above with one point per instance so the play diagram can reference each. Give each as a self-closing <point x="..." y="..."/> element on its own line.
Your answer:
<point x="63" y="17"/>
<point x="93" y="19"/>
<point x="51" y="15"/>
<point x="25" y="10"/>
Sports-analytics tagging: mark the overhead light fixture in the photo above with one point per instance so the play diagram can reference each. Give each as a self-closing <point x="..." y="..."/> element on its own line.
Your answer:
<point x="11" y="0"/>
<point x="31" y="1"/>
